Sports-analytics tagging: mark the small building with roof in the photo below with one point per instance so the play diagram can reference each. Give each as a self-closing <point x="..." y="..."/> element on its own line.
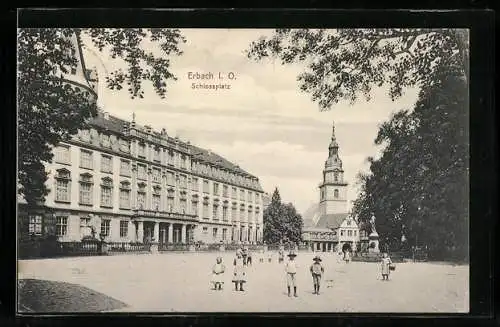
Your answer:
<point x="328" y="226"/>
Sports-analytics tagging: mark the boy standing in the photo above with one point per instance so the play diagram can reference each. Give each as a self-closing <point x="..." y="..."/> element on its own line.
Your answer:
<point x="317" y="271"/>
<point x="291" y="272"/>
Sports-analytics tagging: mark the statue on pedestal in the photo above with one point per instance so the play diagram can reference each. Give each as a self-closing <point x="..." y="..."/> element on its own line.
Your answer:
<point x="373" y="237"/>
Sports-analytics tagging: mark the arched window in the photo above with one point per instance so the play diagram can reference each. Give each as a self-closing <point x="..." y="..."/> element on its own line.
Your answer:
<point x="336" y="194"/>
<point x="335" y="177"/>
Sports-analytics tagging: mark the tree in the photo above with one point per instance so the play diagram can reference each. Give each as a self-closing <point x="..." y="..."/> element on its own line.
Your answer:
<point x="50" y="112"/>
<point x="340" y="64"/>
<point x="419" y="184"/>
<point x="281" y="222"/>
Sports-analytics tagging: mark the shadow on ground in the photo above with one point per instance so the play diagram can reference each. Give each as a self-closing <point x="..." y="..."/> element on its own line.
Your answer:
<point x="37" y="295"/>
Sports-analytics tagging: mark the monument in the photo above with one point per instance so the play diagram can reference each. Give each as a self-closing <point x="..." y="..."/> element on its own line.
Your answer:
<point x="373" y="237"/>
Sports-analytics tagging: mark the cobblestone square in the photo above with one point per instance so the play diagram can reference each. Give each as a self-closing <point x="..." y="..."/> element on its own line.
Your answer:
<point x="180" y="282"/>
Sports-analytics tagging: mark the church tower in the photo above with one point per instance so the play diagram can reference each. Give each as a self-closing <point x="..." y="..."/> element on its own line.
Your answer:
<point x="333" y="189"/>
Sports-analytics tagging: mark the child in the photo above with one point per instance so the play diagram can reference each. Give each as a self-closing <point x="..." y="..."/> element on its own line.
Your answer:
<point x="217" y="274"/>
<point x="291" y="274"/>
<point x="384" y="266"/>
<point x="317" y="271"/>
<point x="239" y="271"/>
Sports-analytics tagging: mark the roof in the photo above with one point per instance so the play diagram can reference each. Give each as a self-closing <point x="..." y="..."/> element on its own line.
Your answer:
<point x="117" y="125"/>
<point x="331" y="220"/>
<point x="112" y="123"/>
<point x="315" y="229"/>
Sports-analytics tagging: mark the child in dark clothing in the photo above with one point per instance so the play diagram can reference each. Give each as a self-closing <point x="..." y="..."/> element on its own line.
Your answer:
<point x="317" y="271"/>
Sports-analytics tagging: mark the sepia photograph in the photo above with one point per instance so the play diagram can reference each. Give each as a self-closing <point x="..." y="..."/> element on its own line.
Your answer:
<point x="242" y="170"/>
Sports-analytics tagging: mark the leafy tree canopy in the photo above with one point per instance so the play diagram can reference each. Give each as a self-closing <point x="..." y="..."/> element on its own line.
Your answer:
<point x="341" y="64"/>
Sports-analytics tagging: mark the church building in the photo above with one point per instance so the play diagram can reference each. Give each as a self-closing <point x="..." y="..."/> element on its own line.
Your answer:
<point x="327" y="224"/>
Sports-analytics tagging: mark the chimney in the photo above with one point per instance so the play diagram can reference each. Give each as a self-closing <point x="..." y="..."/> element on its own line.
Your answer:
<point x="106" y="115"/>
<point x="163" y="131"/>
<point x="148" y="128"/>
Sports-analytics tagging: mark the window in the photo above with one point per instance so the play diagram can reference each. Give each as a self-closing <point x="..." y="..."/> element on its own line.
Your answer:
<point x="171" y="158"/>
<point x="170" y="178"/>
<point x="205" y="186"/>
<point x="123" y="228"/>
<point x="183" y="204"/>
<point x="141" y="150"/>
<point x="194" y="206"/>
<point x="86" y="159"/>
<point x="322" y="194"/>
<point x="105" y="226"/>
<point x="183" y="181"/>
<point x="216" y="189"/>
<point x="242" y="195"/>
<point x="106" y="164"/>
<point x="156" y="154"/>
<point x="141" y="199"/>
<point x="234" y="193"/>
<point x="341" y="232"/>
<point x="156" y="202"/>
<point x="63" y="154"/>
<point x="242" y="213"/>
<point x="234" y="212"/>
<point x="214" y="232"/>
<point x="107" y="192"/>
<point x="124" y="146"/>
<point x="61" y="225"/>
<point x="124" y="167"/>
<point x="250" y="211"/>
<point x="224" y="234"/>
<point x="194" y="184"/>
<point x="224" y="190"/>
<point x="125" y="195"/>
<point x="156" y="175"/>
<point x="348" y="223"/>
<point x="336" y="194"/>
<point x="86" y="185"/>
<point x="335" y="177"/>
<point x="84" y="225"/>
<point x="205" y="209"/>
<point x="214" y="211"/>
<point x="349" y="233"/>
<point x="35" y="225"/>
<point x="141" y="172"/>
<point x="205" y="230"/>
<point x="105" y="140"/>
<point x="170" y="200"/>
<point x="355" y="233"/>
<point x="249" y="196"/>
<point x="63" y="179"/>
<point x="183" y="162"/>
<point x="224" y="212"/>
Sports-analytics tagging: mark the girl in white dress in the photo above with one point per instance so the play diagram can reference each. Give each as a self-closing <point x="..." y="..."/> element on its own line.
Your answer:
<point x="384" y="266"/>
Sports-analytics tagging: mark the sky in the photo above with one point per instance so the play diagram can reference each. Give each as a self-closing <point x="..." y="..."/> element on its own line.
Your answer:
<point x="263" y="123"/>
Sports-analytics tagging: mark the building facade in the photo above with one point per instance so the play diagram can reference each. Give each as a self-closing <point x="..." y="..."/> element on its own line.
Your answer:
<point x="327" y="224"/>
<point x="129" y="183"/>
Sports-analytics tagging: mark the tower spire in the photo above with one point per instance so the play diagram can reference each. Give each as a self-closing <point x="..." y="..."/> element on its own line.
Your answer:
<point x="333" y="130"/>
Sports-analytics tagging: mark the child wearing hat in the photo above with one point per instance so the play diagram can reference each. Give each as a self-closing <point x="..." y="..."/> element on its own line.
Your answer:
<point x="384" y="266"/>
<point x="239" y="271"/>
<point x="218" y="273"/>
<point x="291" y="274"/>
<point x="317" y="271"/>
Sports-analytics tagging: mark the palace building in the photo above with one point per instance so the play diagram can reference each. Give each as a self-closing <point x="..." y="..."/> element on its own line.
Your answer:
<point x="129" y="183"/>
<point x="327" y="224"/>
<point x="134" y="184"/>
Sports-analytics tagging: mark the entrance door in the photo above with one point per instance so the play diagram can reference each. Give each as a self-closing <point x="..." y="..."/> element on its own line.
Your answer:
<point x="324" y="247"/>
<point x="148" y="232"/>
